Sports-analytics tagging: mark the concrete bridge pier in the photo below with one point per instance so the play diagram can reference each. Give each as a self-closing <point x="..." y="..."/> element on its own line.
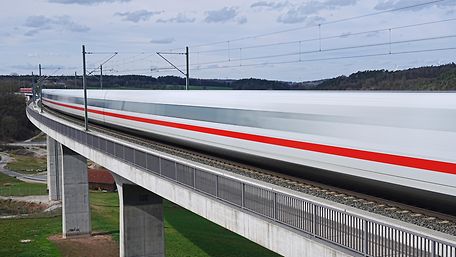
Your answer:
<point x="75" y="195"/>
<point x="54" y="169"/>
<point x="141" y="221"/>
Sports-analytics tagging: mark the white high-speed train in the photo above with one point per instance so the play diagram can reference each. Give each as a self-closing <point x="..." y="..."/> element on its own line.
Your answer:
<point x="402" y="139"/>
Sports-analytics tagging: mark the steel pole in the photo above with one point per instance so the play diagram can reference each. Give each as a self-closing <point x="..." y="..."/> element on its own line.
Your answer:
<point x="33" y="88"/>
<point x="101" y="76"/>
<point x="84" y="85"/>
<point x="41" y="89"/>
<point x="187" y="74"/>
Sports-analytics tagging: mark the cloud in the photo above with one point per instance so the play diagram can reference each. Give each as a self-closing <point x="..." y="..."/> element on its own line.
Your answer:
<point x="86" y="2"/>
<point x="294" y="16"/>
<point x="162" y="40"/>
<point x="29" y="66"/>
<point x="180" y="18"/>
<point x="264" y="5"/>
<point x="222" y="15"/>
<point x="66" y="22"/>
<point x="31" y="33"/>
<point x="300" y="13"/>
<point x="241" y="20"/>
<point x="39" y="23"/>
<point x="137" y="16"/>
<point x="395" y="4"/>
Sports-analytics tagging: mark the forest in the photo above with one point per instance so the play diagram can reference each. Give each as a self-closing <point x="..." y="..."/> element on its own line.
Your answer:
<point x="441" y="77"/>
<point x="14" y="125"/>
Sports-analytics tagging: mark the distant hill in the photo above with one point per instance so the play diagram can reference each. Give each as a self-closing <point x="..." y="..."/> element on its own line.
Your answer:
<point x="425" y="78"/>
<point x="441" y="78"/>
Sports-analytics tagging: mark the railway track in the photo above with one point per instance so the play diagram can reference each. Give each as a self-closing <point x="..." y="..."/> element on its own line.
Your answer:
<point x="411" y="214"/>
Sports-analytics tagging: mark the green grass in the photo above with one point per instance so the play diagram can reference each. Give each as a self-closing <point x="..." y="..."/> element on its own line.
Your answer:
<point x="104" y="209"/>
<point x="27" y="164"/>
<point x="10" y="186"/>
<point x="186" y="234"/>
<point x="36" y="229"/>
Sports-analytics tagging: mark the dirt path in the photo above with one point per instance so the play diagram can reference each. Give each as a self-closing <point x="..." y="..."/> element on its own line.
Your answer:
<point x="94" y="246"/>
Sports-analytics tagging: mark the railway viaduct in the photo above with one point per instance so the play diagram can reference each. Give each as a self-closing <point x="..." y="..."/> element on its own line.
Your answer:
<point x="287" y="222"/>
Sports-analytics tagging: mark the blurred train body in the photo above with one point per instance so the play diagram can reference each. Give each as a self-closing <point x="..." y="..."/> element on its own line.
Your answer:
<point x="401" y="142"/>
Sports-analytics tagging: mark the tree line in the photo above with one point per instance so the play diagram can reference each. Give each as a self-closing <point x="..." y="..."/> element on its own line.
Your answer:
<point x="441" y="77"/>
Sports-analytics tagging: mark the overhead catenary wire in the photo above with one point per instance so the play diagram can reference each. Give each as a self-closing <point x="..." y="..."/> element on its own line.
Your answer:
<point x="313" y="26"/>
<point x="343" y="35"/>
<point x="330" y="58"/>
<point x="296" y="61"/>
<point x="303" y="60"/>
<point x="325" y="50"/>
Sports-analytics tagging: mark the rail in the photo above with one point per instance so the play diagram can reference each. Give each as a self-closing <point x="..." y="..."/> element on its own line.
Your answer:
<point x="355" y="233"/>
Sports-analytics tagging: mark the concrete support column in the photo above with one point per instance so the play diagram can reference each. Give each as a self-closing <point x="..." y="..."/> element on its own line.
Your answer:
<point x="75" y="195"/>
<point x="141" y="221"/>
<point x="54" y="169"/>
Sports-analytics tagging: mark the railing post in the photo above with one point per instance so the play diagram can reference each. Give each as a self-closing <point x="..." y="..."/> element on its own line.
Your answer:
<point x="314" y="219"/>
<point x="433" y="252"/>
<point x="275" y="205"/>
<point x="243" y="195"/>
<point x="194" y="178"/>
<point x="216" y="186"/>
<point x="365" y="239"/>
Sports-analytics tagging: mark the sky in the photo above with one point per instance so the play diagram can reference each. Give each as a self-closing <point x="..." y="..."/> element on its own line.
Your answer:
<point x="281" y="40"/>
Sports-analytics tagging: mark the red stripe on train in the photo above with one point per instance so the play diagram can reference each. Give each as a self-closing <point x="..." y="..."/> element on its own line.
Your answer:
<point x="411" y="162"/>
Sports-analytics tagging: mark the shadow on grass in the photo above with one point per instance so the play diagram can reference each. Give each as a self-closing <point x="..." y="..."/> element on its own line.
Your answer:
<point x="207" y="236"/>
<point x="104" y="233"/>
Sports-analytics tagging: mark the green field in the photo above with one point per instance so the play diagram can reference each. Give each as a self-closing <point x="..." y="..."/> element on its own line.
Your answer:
<point x="27" y="164"/>
<point x="186" y="234"/>
<point x="10" y="186"/>
<point x="36" y="229"/>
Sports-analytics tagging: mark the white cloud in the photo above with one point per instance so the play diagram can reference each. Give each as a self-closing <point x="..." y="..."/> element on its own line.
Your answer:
<point x="167" y="40"/>
<point x="395" y="4"/>
<point x="241" y="20"/>
<point x="221" y="15"/>
<point x="86" y="2"/>
<point x="180" y="18"/>
<point x="265" y="5"/>
<point x="306" y="12"/>
<point x="137" y="16"/>
<point x="39" y="23"/>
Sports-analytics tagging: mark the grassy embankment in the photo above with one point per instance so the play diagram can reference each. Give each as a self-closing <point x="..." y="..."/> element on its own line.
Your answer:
<point x="10" y="186"/>
<point x="186" y="233"/>
<point x="27" y="164"/>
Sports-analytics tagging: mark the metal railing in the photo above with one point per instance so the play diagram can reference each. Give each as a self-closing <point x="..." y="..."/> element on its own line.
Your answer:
<point x="355" y="233"/>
